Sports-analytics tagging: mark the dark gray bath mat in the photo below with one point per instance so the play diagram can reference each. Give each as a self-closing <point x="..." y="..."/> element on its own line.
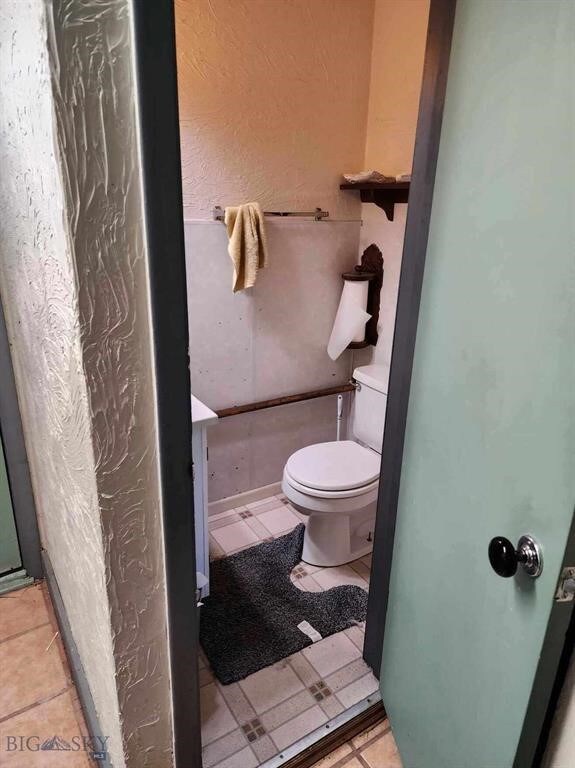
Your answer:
<point x="250" y="620"/>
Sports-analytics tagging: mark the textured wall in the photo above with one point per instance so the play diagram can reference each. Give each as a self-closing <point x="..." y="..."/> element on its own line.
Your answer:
<point x="399" y="32"/>
<point x="74" y="286"/>
<point x="273" y="101"/>
<point x="96" y="133"/>
<point x="40" y="300"/>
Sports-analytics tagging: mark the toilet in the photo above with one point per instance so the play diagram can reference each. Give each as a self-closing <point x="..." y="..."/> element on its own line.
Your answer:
<point x="335" y="484"/>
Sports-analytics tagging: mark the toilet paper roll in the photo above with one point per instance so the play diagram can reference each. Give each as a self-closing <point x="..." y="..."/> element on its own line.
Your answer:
<point x="351" y="317"/>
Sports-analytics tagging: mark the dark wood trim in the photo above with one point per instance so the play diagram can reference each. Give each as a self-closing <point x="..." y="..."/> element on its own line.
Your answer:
<point x="155" y="45"/>
<point x="17" y="468"/>
<point x="235" y="410"/>
<point x="97" y="737"/>
<point x="329" y="743"/>
<point x="383" y="194"/>
<point x="428" y="133"/>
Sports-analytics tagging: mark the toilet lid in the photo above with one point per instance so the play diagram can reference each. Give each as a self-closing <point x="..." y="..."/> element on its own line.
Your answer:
<point x="335" y="466"/>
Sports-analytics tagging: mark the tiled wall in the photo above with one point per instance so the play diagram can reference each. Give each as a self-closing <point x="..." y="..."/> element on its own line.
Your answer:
<point x="266" y="342"/>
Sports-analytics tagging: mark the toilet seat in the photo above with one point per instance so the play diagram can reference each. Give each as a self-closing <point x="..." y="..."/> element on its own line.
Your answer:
<point x="335" y="469"/>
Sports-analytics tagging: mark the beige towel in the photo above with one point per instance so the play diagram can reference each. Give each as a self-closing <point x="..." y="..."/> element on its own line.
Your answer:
<point x="247" y="243"/>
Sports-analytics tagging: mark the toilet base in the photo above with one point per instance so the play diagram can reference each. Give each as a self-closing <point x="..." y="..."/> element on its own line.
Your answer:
<point x="336" y="539"/>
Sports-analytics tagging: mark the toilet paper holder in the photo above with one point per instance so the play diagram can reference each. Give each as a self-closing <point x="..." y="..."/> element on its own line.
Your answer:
<point x="371" y="269"/>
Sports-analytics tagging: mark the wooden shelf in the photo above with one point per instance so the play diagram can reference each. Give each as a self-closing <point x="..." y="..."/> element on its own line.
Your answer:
<point x="384" y="195"/>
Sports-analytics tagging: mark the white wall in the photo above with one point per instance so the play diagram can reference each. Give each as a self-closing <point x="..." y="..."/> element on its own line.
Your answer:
<point x="74" y="288"/>
<point x="266" y="342"/>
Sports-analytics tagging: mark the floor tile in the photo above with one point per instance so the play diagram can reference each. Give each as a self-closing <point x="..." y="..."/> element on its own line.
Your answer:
<point x="264" y="748"/>
<point x="331" y="653"/>
<point x="217" y="719"/>
<point x="270" y="686"/>
<point x="55" y="717"/>
<point x="303" y="669"/>
<point x="215" y="550"/>
<point x="308" y="584"/>
<point x="300" y="726"/>
<point x="361" y="569"/>
<point x="206" y="676"/>
<point x="358" y="690"/>
<point x="263" y="505"/>
<point x="260" y="530"/>
<point x="278" y="520"/>
<point x="22" y="610"/>
<point x="243" y="759"/>
<point x="341" y="574"/>
<point x="236" y="700"/>
<point x="363" y="738"/>
<point x="332" y="706"/>
<point x="382" y="753"/>
<point x="214" y="525"/>
<point x="221" y="749"/>
<point x="235" y="536"/>
<point x="346" y="675"/>
<point x="334" y="757"/>
<point x="287" y="710"/>
<point x="31" y="670"/>
<point x="357" y="636"/>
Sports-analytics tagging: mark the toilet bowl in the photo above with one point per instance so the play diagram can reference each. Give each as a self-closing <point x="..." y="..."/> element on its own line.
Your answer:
<point x="335" y="484"/>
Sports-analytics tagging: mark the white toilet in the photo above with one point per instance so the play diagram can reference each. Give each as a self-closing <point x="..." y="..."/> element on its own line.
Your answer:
<point x="335" y="484"/>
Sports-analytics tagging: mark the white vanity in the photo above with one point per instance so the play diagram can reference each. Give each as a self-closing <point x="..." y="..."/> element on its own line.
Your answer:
<point x="202" y="417"/>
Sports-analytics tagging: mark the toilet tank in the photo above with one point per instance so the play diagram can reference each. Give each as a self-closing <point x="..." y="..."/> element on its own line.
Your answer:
<point x="369" y="405"/>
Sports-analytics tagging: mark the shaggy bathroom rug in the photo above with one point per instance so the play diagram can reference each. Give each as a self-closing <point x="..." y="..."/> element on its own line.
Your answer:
<point x="250" y="620"/>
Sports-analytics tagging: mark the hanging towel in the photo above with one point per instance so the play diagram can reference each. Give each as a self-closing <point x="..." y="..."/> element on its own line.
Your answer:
<point x="247" y="243"/>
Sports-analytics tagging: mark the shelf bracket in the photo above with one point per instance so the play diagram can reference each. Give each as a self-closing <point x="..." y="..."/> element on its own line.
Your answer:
<point x="385" y="199"/>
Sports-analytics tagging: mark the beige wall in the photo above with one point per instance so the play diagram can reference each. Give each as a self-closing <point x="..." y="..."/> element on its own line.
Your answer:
<point x="273" y="101"/>
<point x="74" y="286"/>
<point x="399" y="32"/>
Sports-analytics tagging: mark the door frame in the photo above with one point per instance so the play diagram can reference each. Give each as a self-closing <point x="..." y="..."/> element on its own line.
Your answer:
<point x="17" y="467"/>
<point x="428" y="132"/>
<point x="158" y="118"/>
<point x="155" y="60"/>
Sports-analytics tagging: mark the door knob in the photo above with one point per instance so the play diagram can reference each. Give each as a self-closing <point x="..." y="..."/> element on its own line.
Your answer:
<point x="504" y="558"/>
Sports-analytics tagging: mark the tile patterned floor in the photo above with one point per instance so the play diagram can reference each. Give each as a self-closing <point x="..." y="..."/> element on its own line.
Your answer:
<point x="375" y="748"/>
<point x="37" y="696"/>
<point x="246" y="723"/>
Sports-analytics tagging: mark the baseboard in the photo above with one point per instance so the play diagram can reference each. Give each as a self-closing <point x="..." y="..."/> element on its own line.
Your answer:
<point x="241" y="499"/>
<point x="76" y="667"/>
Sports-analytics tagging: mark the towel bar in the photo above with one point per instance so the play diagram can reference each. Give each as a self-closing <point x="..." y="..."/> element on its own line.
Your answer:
<point x="318" y="214"/>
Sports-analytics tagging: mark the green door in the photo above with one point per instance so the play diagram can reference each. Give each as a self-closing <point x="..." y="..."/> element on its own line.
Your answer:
<point x="490" y="436"/>
<point x="9" y="550"/>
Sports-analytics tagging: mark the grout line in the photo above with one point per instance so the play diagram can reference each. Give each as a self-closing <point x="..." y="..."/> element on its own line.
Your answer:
<point x="362" y="760"/>
<point x="24" y="632"/>
<point x="37" y="703"/>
